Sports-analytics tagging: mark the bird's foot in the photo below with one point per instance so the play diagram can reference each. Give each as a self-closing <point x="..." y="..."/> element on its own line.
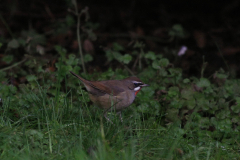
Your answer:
<point x="120" y="116"/>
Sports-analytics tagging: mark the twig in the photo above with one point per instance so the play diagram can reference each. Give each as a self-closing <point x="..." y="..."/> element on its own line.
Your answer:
<point x="78" y="31"/>
<point x="79" y="42"/>
<point x="14" y="65"/>
<point x="135" y="63"/>
<point x="128" y="69"/>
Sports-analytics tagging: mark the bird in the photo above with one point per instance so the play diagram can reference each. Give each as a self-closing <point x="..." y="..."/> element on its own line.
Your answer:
<point x="112" y="94"/>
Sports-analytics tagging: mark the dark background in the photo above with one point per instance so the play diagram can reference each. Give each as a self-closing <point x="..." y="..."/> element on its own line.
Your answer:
<point x="212" y="29"/>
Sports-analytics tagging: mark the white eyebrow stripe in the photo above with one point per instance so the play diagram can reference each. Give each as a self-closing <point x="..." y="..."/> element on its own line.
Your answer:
<point x="136" y="82"/>
<point x="137" y="88"/>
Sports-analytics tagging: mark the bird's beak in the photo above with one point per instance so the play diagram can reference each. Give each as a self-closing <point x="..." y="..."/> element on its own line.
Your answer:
<point x="144" y="85"/>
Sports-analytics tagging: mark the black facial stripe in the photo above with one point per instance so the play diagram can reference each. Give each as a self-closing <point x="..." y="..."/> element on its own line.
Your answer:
<point x="137" y="84"/>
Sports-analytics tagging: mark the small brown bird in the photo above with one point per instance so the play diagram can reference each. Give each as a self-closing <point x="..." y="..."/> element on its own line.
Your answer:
<point x="113" y="94"/>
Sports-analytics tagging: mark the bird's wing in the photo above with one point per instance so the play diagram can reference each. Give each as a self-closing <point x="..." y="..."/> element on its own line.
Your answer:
<point x="106" y="87"/>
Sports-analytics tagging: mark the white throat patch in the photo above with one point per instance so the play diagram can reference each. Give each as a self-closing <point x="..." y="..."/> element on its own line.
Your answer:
<point x="137" y="88"/>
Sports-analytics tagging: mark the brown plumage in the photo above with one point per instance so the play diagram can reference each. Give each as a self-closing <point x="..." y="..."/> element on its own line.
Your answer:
<point x="112" y="94"/>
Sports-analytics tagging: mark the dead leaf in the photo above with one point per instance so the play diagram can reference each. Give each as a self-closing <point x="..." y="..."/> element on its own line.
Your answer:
<point x="88" y="46"/>
<point x="200" y="38"/>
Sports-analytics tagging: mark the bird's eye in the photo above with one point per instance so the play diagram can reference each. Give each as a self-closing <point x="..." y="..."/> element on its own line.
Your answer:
<point x="137" y="84"/>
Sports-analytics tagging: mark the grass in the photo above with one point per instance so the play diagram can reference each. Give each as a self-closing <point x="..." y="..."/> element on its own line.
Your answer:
<point x="63" y="128"/>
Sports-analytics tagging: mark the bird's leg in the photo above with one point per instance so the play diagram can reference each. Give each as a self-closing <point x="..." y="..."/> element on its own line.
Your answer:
<point x="105" y="115"/>
<point x="120" y="115"/>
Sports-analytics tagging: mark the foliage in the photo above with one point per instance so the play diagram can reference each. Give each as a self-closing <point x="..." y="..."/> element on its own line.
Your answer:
<point x="48" y="116"/>
<point x="44" y="117"/>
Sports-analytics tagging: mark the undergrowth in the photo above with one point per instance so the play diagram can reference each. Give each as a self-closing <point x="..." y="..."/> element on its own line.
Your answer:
<point x="51" y="117"/>
<point x="45" y="113"/>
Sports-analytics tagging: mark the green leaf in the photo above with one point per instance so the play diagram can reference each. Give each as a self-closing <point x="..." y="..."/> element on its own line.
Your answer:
<point x="13" y="44"/>
<point x="70" y="21"/>
<point x="117" y="55"/>
<point x="126" y="58"/>
<point x="63" y="70"/>
<point x="30" y="63"/>
<point x="40" y="69"/>
<point x="235" y="119"/>
<point x="177" y="30"/>
<point x="224" y="125"/>
<point x="172" y="114"/>
<point x="4" y="90"/>
<point x="163" y="72"/>
<point x="144" y="107"/>
<point x="88" y="58"/>
<point x="186" y="80"/>
<point x="109" y="55"/>
<point x="173" y="91"/>
<point x="175" y="103"/>
<point x="176" y="74"/>
<point x="156" y="106"/>
<point x="107" y="74"/>
<point x="12" y="89"/>
<point x="187" y="93"/>
<point x="190" y="103"/>
<point x="213" y="107"/>
<point x="146" y="93"/>
<point x="8" y="59"/>
<point x="203" y="83"/>
<point x="221" y="76"/>
<point x="155" y="65"/>
<point x="71" y="59"/>
<point x="204" y="122"/>
<point x="117" y="47"/>
<point x="150" y="55"/>
<point x="237" y="100"/>
<point x="223" y="114"/>
<point x="2" y="76"/>
<point x="22" y="41"/>
<point x="31" y="78"/>
<point x="148" y="72"/>
<point x="163" y="62"/>
<point x="222" y="103"/>
<point x="62" y="51"/>
<point x="236" y="108"/>
<point x="76" y="69"/>
<point x="203" y="103"/>
<point x="138" y="44"/>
